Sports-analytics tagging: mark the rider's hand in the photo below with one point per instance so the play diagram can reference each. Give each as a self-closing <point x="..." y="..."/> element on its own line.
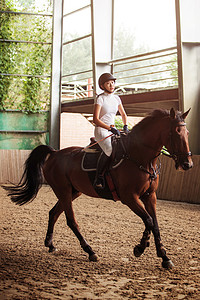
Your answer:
<point x="126" y="129"/>
<point x="115" y="131"/>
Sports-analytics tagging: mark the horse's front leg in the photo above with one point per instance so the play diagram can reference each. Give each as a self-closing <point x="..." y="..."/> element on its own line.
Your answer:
<point x="135" y="204"/>
<point x="150" y="205"/>
<point x="160" y="249"/>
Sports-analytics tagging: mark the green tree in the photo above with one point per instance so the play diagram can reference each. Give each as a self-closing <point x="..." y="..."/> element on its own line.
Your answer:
<point x="77" y="56"/>
<point x="25" y="93"/>
<point x="6" y="52"/>
<point x="125" y="44"/>
<point x="37" y="58"/>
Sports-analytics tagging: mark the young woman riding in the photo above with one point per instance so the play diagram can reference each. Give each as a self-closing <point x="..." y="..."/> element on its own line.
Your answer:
<point x="106" y="107"/>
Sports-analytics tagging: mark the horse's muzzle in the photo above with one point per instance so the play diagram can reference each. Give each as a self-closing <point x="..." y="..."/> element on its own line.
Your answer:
<point x="184" y="165"/>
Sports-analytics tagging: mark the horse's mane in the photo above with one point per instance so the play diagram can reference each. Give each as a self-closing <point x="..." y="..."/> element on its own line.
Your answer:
<point x="156" y="114"/>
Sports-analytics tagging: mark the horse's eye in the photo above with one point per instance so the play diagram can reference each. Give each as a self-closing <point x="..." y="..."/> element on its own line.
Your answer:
<point x="178" y="130"/>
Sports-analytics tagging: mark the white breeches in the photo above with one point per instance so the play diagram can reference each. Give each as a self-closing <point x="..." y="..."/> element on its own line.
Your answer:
<point x="100" y="133"/>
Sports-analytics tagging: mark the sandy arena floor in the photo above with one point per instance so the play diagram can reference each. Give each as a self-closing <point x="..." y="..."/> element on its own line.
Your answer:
<point x="28" y="271"/>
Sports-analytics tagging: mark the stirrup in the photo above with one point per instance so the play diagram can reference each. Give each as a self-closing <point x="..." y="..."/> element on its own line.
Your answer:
<point x="99" y="182"/>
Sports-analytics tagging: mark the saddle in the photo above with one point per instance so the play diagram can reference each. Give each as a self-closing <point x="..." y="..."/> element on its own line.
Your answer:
<point x="93" y="152"/>
<point x="90" y="161"/>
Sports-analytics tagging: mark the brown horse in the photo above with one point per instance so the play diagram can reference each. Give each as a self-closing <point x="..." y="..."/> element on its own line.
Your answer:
<point x="136" y="178"/>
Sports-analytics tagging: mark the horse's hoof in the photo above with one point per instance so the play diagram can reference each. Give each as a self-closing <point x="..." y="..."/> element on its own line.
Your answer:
<point x="168" y="264"/>
<point x="138" y="251"/>
<point x="93" y="257"/>
<point x="52" y="249"/>
<point x="48" y="240"/>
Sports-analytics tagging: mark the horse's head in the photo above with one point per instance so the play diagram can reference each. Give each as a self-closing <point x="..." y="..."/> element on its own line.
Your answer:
<point x="178" y="144"/>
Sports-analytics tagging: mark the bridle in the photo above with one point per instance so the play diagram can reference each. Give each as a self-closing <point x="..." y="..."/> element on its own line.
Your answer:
<point x="175" y="155"/>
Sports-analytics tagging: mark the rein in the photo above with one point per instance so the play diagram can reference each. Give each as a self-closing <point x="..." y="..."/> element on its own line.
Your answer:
<point x="174" y="155"/>
<point x="152" y="175"/>
<point x="155" y="172"/>
<point x="89" y="146"/>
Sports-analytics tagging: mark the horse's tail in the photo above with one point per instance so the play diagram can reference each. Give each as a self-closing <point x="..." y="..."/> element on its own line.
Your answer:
<point x="26" y="190"/>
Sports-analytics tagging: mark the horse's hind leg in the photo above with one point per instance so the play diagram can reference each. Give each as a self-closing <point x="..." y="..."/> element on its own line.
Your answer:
<point x="53" y="216"/>
<point x="65" y="197"/>
<point x="71" y="222"/>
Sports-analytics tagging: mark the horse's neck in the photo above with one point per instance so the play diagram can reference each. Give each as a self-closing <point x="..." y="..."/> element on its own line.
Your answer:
<point x="147" y="143"/>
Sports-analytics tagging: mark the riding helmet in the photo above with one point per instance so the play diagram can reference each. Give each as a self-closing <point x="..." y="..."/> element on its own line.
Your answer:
<point x="105" y="77"/>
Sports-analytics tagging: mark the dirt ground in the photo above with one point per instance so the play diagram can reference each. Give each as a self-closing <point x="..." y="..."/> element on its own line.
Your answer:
<point x="28" y="271"/>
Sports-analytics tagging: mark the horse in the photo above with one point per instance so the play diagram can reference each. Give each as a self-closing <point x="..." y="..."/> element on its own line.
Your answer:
<point x="136" y="177"/>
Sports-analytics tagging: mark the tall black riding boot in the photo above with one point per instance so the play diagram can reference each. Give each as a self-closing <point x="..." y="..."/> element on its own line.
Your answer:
<point x="101" y="167"/>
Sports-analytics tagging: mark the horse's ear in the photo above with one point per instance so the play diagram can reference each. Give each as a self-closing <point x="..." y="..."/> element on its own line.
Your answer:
<point x="172" y="113"/>
<point x="184" y="115"/>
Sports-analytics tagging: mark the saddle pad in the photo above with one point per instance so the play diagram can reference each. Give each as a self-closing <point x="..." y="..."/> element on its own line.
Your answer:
<point x="89" y="161"/>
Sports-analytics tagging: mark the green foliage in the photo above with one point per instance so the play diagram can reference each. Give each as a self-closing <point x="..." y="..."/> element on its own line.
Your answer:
<point x="37" y="62"/>
<point x="119" y="123"/>
<point x="77" y="56"/>
<point x="26" y="93"/>
<point x="124" y="44"/>
<point x="6" y="51"/>
<point x="174" y="73"/>
<point x="26" y="3"/>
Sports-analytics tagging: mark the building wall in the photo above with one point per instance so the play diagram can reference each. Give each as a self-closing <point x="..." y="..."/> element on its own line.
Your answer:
<point x="76" y="130"/>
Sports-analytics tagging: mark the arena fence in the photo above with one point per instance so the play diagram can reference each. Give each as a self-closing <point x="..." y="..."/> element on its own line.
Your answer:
<point x="174" y="185"/>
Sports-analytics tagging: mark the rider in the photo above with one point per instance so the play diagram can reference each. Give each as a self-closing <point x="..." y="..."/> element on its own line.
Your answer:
<point x="106" y="107"/>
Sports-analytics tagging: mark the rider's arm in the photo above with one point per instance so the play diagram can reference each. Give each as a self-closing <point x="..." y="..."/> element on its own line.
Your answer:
<point x="122" y="113"/>
<point x="96" y="119"/>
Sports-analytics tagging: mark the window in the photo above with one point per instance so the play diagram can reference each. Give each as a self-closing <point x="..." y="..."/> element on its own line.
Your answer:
<point x="25" y="41"/>
<point x="145" y="54"/>
<point x="77" y="68"/>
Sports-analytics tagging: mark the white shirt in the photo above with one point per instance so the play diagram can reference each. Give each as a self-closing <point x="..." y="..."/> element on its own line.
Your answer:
<point x="109" y="106"/>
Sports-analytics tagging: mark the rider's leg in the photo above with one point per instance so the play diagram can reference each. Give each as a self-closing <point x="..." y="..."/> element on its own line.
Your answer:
<point x="101" y="168"/>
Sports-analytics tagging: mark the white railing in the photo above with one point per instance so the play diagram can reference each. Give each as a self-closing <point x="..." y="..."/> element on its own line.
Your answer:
<point x="139" y="73"/>
<point x="145" y="72"/>
<point x="77" y="86"/>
